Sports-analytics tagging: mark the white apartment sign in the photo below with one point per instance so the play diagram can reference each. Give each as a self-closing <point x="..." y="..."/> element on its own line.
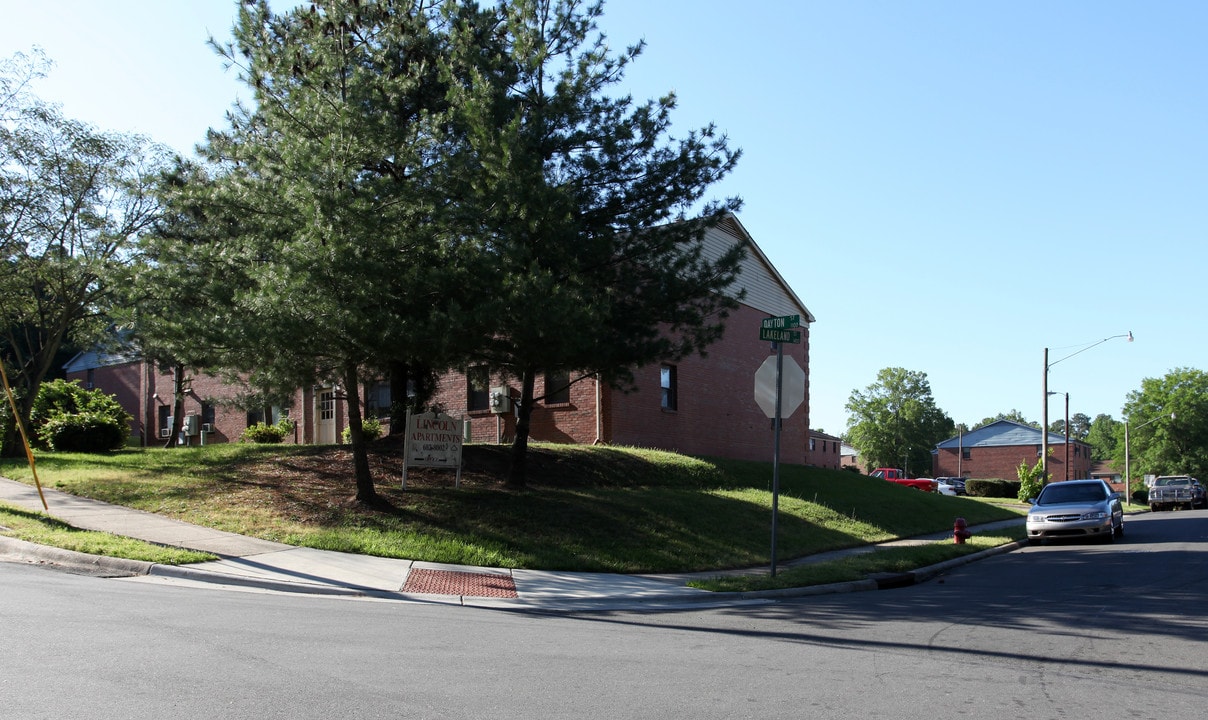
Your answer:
<point x="433" y="440"/>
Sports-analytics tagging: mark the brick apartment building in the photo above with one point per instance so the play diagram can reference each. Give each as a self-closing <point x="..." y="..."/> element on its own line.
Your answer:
<point x="824" y="451"/>
<point x="699" y="406"/>
<point x="996" y="451"/>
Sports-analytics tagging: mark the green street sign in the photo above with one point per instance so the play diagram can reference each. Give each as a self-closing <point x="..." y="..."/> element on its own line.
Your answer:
<point x="783" y="322"/>
<point x="780" y="336"/>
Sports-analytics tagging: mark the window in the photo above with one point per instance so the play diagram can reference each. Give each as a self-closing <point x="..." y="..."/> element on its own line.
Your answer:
<point x="812" y="442"/>
<point x="165" y="420"/>
<point x="966" y="454"/>
<point x="667" y="382"/>
<point x="377" y="400"/>
<point x="478" y="391"/>
<point x="208" y="415"/>
<point x="557" y="388"/>
<point x="255" y="417"/>
<point x="91" y="382"/>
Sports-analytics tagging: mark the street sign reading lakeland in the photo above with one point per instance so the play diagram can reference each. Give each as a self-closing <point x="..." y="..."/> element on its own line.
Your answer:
<point x="433" y="440"/>
<point x="780" y="329"/>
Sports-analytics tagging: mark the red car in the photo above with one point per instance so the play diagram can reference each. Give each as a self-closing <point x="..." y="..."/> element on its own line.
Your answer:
<point x="895" y="475"/>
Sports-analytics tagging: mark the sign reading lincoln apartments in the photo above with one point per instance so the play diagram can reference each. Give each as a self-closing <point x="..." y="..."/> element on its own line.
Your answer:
<point x="433" y="440"/>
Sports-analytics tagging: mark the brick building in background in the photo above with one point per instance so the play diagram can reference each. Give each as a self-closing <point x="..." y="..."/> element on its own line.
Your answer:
<point x="996" y="451"/>
<point x="698" y="405"/>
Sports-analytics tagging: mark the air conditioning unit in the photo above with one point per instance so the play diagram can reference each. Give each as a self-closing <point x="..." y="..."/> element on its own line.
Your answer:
<point x="192" y="424"/>
<point x="165" y="432"/>
<point x="501" y="401"/>
<point x="207" y="428"/>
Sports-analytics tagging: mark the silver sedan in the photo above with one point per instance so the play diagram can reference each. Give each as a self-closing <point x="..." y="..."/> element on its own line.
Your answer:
<point x="1076" y="509"/>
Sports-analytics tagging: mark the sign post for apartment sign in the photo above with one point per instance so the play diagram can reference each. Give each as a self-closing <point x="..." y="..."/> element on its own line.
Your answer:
<point x="432" y="440"/>
<point x="779" y="391"/>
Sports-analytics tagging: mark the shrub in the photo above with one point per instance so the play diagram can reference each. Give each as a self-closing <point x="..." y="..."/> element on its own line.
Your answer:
<point x="82" y="432"/>
<point x="265" y="433"/>
<point x="992" y="487"/>
<point x="65" y="416"/>
<point x="1031" y="480"/>
<point x="370" y="427"/>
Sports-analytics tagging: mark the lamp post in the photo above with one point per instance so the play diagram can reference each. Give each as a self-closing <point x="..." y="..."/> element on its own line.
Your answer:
<point x="1127" y="468"/>
<point x="1044" y="429"/>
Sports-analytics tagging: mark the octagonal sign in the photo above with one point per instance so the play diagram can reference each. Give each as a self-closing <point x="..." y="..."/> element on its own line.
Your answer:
<point x="792" y="387"/>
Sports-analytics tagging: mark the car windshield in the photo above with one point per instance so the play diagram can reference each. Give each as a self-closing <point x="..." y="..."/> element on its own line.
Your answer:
<point x="1166" y="482"/>
<point x="1054" y="494"/>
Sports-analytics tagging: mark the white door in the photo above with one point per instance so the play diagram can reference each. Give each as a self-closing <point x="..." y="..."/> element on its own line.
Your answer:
<point x="325" y="416"/>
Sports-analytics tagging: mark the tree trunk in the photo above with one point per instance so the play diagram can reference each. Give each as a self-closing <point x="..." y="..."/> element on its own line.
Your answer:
<point x="399" y="377"/>
<point x="516" y="477"/>
<point x="356" y="432"/>
<point x="178" y="404"/>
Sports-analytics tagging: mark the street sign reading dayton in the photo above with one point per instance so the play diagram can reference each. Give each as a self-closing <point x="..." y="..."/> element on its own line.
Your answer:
<point x="778" y="329"/>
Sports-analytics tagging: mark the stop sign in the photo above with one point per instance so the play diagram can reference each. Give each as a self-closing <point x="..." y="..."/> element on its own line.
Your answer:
<point x="792" y="387"/>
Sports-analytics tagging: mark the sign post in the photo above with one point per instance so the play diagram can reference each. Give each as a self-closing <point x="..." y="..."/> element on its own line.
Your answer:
<point x="779" y="396"/>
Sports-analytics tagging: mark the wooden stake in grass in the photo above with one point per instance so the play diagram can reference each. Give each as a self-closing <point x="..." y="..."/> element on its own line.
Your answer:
<point x="29" y="453"/>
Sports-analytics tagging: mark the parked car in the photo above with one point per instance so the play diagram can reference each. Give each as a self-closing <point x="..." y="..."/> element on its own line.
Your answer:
<point x="944" y="487"/>
<point x="957" y="483"/>
<point x="1075" y="509"/>
<point x="1170" y="491"/>
<point x="895" y="475"/>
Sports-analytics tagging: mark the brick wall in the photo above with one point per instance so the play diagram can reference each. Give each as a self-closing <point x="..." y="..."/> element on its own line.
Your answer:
<point x="1003" y="462"/>
<point x="715" y="415"/>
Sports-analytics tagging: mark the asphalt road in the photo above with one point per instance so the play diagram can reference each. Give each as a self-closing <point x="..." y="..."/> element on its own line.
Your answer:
<point x="1062" y="631"/>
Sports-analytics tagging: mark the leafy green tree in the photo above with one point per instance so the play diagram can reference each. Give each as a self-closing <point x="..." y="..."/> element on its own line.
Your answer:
<point x="1104" y="436"/>
<point x="73" y="202"/>
<point x="308" y="246"/>
<point x="1080" y="425"/>
<point x="895" y="423"/>
<point x="1162" y="445"/>
<point x="586" y="213"/>
<point x="1013" y="416"/>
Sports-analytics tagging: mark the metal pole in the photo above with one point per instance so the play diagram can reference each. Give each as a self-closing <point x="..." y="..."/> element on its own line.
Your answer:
<point x="1127" y="484"/>
<point x="776" y="452"/>
<point x="1044" y="425"/>
<point x="1067" y="436"/>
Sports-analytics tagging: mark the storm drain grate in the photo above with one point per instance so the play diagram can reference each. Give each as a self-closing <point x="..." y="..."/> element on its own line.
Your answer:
<point x="452" y="582"/>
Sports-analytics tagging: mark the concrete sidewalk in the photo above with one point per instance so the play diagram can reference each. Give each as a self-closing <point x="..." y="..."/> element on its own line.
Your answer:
<point x="250" y="563"/>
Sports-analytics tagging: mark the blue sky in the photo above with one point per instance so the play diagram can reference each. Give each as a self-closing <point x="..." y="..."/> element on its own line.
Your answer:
<point x="950" y="187"/>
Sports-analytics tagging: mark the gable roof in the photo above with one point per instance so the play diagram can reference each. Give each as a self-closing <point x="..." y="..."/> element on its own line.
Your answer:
<point x="766" y="288"/>
<point x="117" y="350"/>
<point x="1002" y="433"/>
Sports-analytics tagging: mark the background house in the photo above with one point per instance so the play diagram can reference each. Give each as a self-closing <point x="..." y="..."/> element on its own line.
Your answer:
<point x="996" y="451"/>
<point x="698" y="405"/>
<point x="215" y="409"/>
<point x="824" y="451"/>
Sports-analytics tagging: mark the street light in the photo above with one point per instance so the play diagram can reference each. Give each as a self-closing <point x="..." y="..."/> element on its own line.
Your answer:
<point x="1044" y="429"/>
<point x="1127" y="469"/>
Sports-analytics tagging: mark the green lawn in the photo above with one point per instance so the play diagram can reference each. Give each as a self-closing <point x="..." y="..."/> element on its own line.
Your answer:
<point x="586" y="509"/>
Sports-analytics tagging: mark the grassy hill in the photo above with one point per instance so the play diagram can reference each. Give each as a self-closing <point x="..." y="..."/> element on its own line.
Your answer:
<point x="597" y="509"/>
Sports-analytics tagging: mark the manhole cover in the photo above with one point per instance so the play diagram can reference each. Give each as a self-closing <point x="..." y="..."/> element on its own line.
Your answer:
<point x="453" y="582"/>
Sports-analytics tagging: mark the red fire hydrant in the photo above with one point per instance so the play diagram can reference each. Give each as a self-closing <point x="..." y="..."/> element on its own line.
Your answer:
<point x="960" y="531"/>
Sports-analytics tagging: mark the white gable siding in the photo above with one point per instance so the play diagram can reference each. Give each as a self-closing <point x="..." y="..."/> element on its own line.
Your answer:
<point x="765" y="291"/>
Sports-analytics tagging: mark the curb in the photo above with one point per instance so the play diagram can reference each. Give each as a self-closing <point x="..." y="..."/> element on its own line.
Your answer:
<point x="99" y="565"/>
<point x="102" y="566"/>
